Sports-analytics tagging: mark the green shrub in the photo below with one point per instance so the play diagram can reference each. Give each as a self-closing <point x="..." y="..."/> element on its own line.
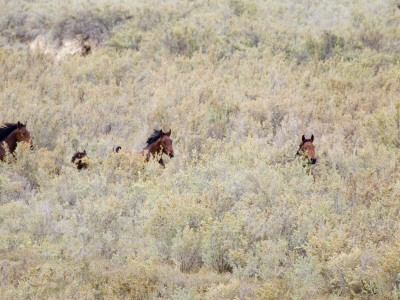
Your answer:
<point x="181" y="39"/>
<point x="235" y="214"/>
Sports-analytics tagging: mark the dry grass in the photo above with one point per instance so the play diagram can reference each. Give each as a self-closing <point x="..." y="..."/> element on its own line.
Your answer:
<point x="233" y="215"/>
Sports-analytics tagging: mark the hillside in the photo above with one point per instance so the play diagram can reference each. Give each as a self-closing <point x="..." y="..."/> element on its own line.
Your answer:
<point x="234" y="215"/>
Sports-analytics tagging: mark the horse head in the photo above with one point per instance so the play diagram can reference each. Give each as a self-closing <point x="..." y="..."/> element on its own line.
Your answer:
<point x="22" y="134"/>
<point x="166" y="143"/>
<point x="79" y="160"/>
<point x="307" y="149"/>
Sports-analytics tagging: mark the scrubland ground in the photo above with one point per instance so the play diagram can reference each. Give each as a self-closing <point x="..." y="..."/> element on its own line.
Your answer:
<point x="233" y="215"/>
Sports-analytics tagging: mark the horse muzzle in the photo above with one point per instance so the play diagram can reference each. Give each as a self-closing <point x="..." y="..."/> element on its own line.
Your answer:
<point x="171" y="155"/>
<point x="313" y="161"/>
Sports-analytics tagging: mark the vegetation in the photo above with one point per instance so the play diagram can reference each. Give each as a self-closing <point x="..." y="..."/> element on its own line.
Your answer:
<point x="233" y="215"/>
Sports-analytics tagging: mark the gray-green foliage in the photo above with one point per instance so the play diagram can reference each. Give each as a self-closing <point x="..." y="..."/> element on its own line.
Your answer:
<point x="234" y="214"/>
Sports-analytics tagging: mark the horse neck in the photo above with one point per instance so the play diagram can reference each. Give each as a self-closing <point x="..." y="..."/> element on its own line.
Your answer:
<point x="153" y="148"/>
<point x="11" y="141"/>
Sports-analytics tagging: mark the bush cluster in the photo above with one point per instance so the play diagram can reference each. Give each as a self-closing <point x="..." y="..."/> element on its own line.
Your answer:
<point x="234" y="215"/>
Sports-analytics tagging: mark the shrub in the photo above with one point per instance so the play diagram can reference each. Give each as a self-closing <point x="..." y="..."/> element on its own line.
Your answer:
<point x="91" y="25"/>
<point x="181" y="39"/>
<point x="186" y="250"/>
<point x="329" y="46"/>
<point x="235" y="214"/>
<point x="221" y="239"/>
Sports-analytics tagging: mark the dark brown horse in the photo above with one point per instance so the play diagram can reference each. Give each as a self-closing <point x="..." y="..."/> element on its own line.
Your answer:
<point x="10" y="135"/>
<point x="80" y="160"/>
<point x="307" y="150"/>
<point x="159" y="142"/>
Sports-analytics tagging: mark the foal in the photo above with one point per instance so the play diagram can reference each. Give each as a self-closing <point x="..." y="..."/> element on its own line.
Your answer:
<point x="307" y="150"/>
<point x="159" y="142"/>
<point x="10" y="135"/>
<point x="79" y="160"/>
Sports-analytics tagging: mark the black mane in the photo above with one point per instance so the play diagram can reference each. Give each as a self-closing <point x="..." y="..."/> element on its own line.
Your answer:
<point x="6" y="129"/>
<point x="78" y="155"/>
<point x="154" y="137"/>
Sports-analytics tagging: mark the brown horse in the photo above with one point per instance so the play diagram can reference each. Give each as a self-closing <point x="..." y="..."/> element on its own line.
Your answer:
<point x="307" y="150"/>
<point x="79" y="160"/>
<point x="10" y="135"/>
<point x="159" y="142"/>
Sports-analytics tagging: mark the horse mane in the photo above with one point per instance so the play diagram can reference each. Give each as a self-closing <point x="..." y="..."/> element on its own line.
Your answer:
<point x="6" y="129"/>
<point x="117" y="148"/>
<point x="154" y="137"/>
<point x="77" y="154"/>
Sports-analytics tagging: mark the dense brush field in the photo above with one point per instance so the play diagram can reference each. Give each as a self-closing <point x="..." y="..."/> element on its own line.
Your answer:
<point x="234" y="215"/>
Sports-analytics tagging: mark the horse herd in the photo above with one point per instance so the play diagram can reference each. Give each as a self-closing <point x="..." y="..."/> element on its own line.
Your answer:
<point x="158" y="143"/>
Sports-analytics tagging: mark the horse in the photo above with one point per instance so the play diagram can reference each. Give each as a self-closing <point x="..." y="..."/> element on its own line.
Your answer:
<point x="10" y="135"/>
<point x="307" y="150"/>
<point x="77" y="159"/>
<point x="158" y="143"/>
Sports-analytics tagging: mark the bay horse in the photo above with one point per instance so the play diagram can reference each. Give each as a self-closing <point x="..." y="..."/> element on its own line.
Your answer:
<point x="158" y="143"/>
<point x="78" y="160"/>
<point x="307" y="150"/>
<point x="10" y="135"/>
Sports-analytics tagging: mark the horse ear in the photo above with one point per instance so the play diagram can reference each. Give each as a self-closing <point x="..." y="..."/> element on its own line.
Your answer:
<point x="303" y="138"/>
<point x="169" y="132"/>
<point x="312" y="138"/>
<point x="84" y="151"/>
<point x="19" y="125"/>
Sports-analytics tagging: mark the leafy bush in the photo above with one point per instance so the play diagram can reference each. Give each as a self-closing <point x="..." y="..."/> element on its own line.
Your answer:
<point x="88" y="24"/>
<point x="235" y="214"/>
<point x="182" y="39"/>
